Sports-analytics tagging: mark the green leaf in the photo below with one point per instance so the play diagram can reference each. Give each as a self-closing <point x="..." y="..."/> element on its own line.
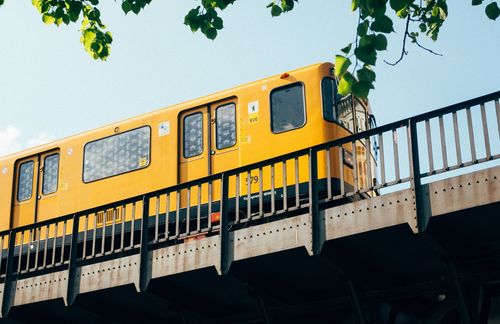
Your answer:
<point x="276" y="10"/>
<point x="492" y="11"/>
<point x="218" y="23"/>
<point x="355" y="4"/>
<point x="287" y="5"/>
<point x="108" y="37"/>
<point x="397" y="5"/>
<point x="477" y="2"/>
<point x="96" y="47"/>
<point x="345" y="84"/>
<point x="361" y="89"/>
<point x="382" y="24"/>
<point x="94" y="2"/>
<point x="126" y="6"/>
<point x="347" y="49"/>
<point x="48" y="19"/>
<point x="403" y="13"/>
<point x="363" y="28"/>
<point x="36" y="3"/>
<point x="65" y="19"/>
<point x="366" y="74"/>
<point x="366" y="54"/>
<point x="342" y="63"/>
<point x="211" y="33"/>
<point x="211" y="13"/>
<point x="380" y="42"/>
<point x="136" y="8"/>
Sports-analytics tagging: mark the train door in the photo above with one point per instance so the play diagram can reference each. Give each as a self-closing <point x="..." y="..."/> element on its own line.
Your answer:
<point x="208" y="141"/>
<point x="35" y="195"/>
<point x="224" y="150"/>
<point x="194" y="158"/>
<point x="208" y="145"/>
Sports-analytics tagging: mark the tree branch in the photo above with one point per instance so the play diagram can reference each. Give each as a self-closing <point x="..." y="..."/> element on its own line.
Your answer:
<point x="427" y="49"/>
<point x="403" y="51"/>
<point x="356" y="41"/>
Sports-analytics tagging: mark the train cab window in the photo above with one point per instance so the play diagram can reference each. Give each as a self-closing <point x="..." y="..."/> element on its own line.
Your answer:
<point x="117" y="154"/>
<point x="330" y="97"/>
<point x="50" y="174"/>
<point x="193" y="135"/>
<point x="287" y="108"/>
<point x="25" y="181"/>
<point x="226" y="126"/>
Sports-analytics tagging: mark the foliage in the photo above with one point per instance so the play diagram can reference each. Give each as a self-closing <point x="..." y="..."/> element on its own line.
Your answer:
<point x="422" y="17"/>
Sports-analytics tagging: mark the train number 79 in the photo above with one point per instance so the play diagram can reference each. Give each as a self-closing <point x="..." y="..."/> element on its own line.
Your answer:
<point x="252" y="179"/>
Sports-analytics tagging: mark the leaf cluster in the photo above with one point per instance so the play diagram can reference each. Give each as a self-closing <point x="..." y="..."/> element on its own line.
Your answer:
<point x="279" y="7"/>
<point x="134" y="5"/>
<point x="205" y="17"/>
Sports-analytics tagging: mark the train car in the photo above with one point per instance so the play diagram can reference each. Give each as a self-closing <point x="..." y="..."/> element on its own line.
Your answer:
<point x="192" y="140"/>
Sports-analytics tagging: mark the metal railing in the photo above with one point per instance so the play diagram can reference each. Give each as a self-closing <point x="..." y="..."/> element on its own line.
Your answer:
<point x="303" y="181"/>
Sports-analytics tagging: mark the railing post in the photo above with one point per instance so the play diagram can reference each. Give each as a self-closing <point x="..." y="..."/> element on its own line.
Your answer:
<point x="317" y="230"/>
<point x="225" y="261"/>
<point x="72" y="290"/>
<point x="7" y="290"/>
<point x="416" y="180"/>
<point x="144" y="251"/>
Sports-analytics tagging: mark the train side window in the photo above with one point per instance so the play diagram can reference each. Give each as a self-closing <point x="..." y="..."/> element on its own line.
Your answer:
<point x="226" y="126"/>
<point x="25" y="181"/>
<point x="287" y="108"/>
<point x="329" y="96"/>
<point x="193" y="135"/>
<point x="117" y="154"/>
<point x="50" y="174"/>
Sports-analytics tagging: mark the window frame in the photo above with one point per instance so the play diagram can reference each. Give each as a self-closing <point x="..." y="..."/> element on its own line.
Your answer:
<point x="58" y="168"/>
<point x="335" y="103"/>
<point x="184" y="135"/>
<point x="303" y="101"/>
<point x="19" y="178"/>
<point x="235" y="126"/>
<point x="119" y="174"/>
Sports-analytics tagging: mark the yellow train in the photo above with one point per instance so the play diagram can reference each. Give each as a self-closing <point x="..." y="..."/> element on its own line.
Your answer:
<point x="223" y="131"/>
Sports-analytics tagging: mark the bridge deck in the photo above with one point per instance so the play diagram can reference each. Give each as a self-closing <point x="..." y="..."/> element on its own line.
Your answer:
<point x="369" y="246"/>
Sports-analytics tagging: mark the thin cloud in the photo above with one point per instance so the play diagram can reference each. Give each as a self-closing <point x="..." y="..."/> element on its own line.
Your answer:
<point x="11" y="140"/>
<point x="42" y="138"/>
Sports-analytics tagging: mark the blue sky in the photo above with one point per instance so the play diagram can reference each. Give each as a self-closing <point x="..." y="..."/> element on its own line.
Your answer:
<point x="50" y="88"/>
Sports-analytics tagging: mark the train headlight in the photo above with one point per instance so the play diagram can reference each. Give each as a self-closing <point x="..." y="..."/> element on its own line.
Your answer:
<point x="348" y="158"/>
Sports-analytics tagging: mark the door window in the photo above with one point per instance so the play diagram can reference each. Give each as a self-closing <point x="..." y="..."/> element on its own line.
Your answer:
<point x="226" y="126"/>
<point x="50" y="174"/>
<point x="25" y="181"/>
<point x="193" y="135"/>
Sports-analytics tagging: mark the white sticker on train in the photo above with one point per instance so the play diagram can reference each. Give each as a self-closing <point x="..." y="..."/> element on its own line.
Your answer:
<point x="164" y="129"/>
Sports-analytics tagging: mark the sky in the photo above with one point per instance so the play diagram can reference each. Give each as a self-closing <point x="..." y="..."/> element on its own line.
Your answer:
<point x="50" y="88"/>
